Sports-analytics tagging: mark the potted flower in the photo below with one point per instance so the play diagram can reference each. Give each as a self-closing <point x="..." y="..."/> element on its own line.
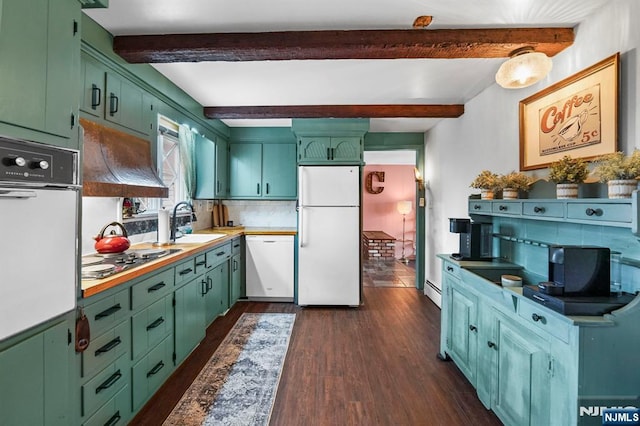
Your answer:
<point x="487" y="182"/>
<point x="512" y="183"/>
<point x="619" y="172"/>
<point x="567" y="173"/>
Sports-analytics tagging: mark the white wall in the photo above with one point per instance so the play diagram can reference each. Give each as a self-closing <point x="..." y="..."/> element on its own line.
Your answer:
<point x="487" y="135"/>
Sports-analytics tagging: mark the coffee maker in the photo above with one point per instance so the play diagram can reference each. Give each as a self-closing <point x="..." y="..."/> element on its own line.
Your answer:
<point x="578" y="271"/>
<point x="475" y="239"/>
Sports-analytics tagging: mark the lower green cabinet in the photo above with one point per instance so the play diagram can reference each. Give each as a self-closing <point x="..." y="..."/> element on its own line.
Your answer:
<point x="36" y="379"/>
<point x="189" y="317"/>
<point x="463" y="330"/>
<point x="104" y="385"/>
<point x="151" y="371"/>
<point x="114" y="411"/>
<point x="217" y="295"/>
<point x="236" y="279"/>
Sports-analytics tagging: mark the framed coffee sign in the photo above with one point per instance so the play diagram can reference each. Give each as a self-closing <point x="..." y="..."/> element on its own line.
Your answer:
<point x="577" y="116"/>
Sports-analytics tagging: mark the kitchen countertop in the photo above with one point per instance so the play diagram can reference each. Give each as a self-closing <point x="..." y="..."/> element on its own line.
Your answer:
<point x="93" y="287"/>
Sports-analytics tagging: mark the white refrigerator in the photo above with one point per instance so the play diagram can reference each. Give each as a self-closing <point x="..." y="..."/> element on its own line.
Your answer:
<point x="329" y="235"/>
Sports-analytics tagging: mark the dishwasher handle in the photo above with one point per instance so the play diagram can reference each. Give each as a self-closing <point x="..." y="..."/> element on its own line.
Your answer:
<point x="10" y="193"/>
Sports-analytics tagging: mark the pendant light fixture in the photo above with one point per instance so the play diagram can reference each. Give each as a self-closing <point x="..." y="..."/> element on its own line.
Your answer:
<point x="524" y="67"/>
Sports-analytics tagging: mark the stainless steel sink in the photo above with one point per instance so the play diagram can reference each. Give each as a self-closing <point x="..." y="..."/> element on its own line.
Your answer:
<point x="198" y="238"/>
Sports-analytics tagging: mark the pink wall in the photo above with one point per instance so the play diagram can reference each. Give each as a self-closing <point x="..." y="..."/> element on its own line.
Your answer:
<point x="379" y="211"/>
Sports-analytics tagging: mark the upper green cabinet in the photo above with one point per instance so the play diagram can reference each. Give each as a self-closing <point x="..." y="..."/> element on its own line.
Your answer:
<point x="262" y="170"/>
<point x="108" y="96"/>
<point x="329" y="149"/>
<point x="211" y="168"/>
<point x="39" y="47"/>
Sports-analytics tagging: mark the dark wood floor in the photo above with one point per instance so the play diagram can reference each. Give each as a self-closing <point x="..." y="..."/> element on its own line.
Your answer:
<point x="375" y="365"/>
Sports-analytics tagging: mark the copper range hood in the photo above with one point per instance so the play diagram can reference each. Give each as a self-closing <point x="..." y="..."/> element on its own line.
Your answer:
<point x="117" y="164"/>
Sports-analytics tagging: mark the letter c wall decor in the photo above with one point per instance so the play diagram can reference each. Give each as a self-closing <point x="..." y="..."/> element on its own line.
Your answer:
<point x="369" y="182"/>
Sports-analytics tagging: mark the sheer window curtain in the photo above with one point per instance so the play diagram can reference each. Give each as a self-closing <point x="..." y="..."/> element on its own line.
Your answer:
<point x="187" y="140"/>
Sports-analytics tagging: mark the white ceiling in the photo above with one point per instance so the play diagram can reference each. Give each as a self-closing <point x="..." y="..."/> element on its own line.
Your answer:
<point x="399" y="81"/>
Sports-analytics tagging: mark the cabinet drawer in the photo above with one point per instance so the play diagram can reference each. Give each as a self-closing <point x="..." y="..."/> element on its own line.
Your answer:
<point x="600" y="212"/>
<point x="530" y="208"/>
<point x="151" y="289"/>
<point x="115" y="411"/>
<point x="106" y="348"/>
<point x="151" y="371"/>
<point x="104" y="386"/>
<point x="451" y="268"/>
<point x="236" y="246"/>
<point x="543" y="319"/>
<point x="200" y="263"/>
<point x="218" y="255"/>
<point x="185" y="271"/>
<point x="478" y="207"/>
<point x="510" y="207"/>
<point x="107" y="312"/>
<point x="150" y="326"/>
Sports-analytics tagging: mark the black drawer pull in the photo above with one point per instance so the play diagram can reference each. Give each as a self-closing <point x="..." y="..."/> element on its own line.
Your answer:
<point x="220" y="253"/>
<point x="537" y="209"/>
<point x="235" y="265"/>
<point x="449" y="268"/>
<point x="185" y="271"/>
<point x="236" y="245"/>
<point x="114" y="419"/>
<point x="112" y="310"/>
<point x="473" y="328"/>
<point x="502" y="208"/>
<point x="109" y="382"/>
<point x="155" y="369"/>
<point x="593" y="212"/>
<point x="155" y="324"/>
<point x="204" y="289"/>
<point x="537" y="317"/>
<point x="477" y="206"/>
<point x="156" y="287"/>
<point x="491" y="345"/>
<point x="106" y="348"/>
<point x="209" y="284"/>
<point x="202" y="262"/>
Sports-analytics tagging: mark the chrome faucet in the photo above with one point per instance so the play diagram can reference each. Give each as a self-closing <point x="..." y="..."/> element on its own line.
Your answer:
<point x="174" y="225"/>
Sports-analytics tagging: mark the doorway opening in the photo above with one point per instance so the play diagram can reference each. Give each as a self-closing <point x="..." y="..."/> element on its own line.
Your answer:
<point x="389" y="219"/>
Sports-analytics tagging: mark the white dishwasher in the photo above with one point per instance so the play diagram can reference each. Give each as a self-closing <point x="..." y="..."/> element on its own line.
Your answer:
<point x="269" y="272"/>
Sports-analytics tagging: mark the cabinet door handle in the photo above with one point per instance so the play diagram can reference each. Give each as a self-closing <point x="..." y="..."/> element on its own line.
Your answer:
<point x="258" y="189"/>
<point x="218" y="186"/>
<point x="477" y="207"/>
<point x="235" y="265"/>
<point x="202" y="262"/>
<point x="267" y="188"/>
<point x="593" y="212"/>
<point x="155" y="287"/>
<point x="236" y="245"/>
<point x="114" y="104"/>
<point x="114" y="419"/>
<point x="96" y="96"/>
<point x="220" y="253"/>
<point x="537" y="317"/>
<point x="112" y="310"/>
<point x="502" y="208"/>
<point x="537" y="209"/>
<point x="109" y="382"/>
<point x="491" y="345"/>
<point x="204" y="287"/>
<point x="333" y="153"/>
<point x="473" y="327"/>
<point x="449" y="268"/>
<point x="155" y="369"/>
<point x="185" y="271"/>
<point x="106" y="348"/>
<point x="328" y="153"/>
<point x="155" y="324"/>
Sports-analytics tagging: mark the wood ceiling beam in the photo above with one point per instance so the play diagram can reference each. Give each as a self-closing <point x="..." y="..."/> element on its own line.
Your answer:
<point x="334" y="111"/>
<point x="350" y="44"/>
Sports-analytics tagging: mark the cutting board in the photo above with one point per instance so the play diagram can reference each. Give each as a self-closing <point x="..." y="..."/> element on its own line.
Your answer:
<point x="215" y="215"/>
<point x="225" y="215"/>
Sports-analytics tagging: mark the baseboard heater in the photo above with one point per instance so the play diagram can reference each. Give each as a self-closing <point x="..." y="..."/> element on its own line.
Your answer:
<point x="433" y="286"/>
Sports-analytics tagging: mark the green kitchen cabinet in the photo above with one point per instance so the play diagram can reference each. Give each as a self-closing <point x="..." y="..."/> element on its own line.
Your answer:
<point x="211" y="167"/>
<point x="463" y="329"/>
<point x="521" y="367"/>
<point x="266" y="171"/>
<point x="236" y="285"/>
<point x="148" y="374"/>
<point x="124" y="103"/>
<point x="217" y="295"/>
<point x="37" y="370"/>
<point x="189" y="328"/>
<point x="328" y="150"/>
<point x="39" y="45"/>
<point x="93" y="81"/>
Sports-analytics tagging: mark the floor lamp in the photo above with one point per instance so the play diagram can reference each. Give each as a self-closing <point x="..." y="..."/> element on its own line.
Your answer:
<point x="404" y="208"/>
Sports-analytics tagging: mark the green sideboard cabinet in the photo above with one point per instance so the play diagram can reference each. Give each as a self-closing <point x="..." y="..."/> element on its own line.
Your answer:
<point x="35" y="376"/>
<point x="264" y="171"/>
<point x="529" y="364"/>
<point x="40" y="45"/>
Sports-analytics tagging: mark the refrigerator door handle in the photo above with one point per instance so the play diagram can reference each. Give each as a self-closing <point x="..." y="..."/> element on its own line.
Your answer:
<point x="301" y="225"/>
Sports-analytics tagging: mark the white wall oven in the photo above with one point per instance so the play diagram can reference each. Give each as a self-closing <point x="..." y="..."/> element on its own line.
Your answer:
<point x="38" y="233"/>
